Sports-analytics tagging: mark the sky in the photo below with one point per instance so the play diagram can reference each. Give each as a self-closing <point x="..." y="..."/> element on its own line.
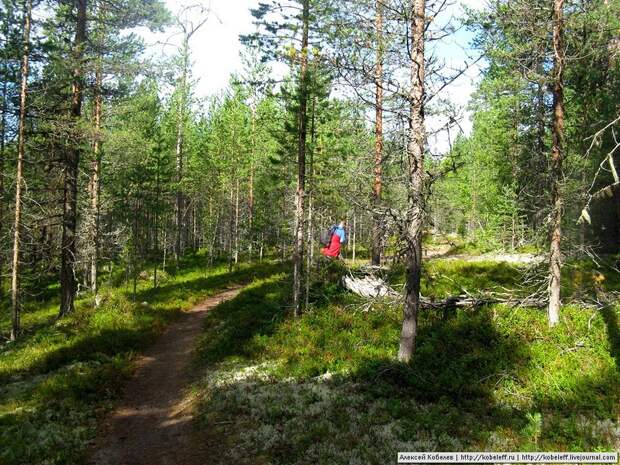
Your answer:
<point x="215" y="52"/>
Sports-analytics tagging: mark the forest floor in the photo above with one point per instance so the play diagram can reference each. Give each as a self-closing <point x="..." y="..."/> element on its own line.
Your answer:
<point x="450" y="252"/>
<point x="153" y="423"/>
<point x="325" y="388"/>
<point x="266" y="387"/>
<point x="64" y="377"/>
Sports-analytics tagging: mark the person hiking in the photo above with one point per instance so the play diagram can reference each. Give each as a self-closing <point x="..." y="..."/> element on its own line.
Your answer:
<point x="338" y="237"/>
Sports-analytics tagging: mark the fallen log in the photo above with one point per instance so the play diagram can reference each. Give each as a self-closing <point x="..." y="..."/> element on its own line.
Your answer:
<point x="369" y="286"/>
<point x="473" y="301"/>
<point x="372" y="287"/>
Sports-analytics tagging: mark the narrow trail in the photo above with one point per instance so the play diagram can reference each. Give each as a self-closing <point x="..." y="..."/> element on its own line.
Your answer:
<point x="153" y="423"/>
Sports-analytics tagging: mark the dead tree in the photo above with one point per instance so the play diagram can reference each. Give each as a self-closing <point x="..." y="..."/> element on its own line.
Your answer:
<point x="555" y="259"/>
<point x="190" y="20"/>
<point x="300" y="192"/>
<point x="377" y="229"/>
<point x="19" y="176"/>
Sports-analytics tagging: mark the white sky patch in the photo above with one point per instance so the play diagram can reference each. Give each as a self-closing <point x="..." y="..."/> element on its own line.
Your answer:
<point x="215" y="54"/>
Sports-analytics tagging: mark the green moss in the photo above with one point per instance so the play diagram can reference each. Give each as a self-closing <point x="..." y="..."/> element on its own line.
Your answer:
<point x="493" y="378"/>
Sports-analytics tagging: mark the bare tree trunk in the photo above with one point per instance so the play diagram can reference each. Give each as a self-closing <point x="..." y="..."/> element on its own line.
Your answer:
<point x="301" y="165"/>
<point x="251" y="187"/>
<point x="310" y="238"/>
<point x="163" y="264"/>
<point x="5" y="68"/>
<point x="237" y="222"/>
<point x="231" y="226"/>
<point x="68" y="283"/>
<point x="415" y="203"/>
<point x="354" y="237"/>
<point x="178" y="206"/>
<point x="555" y="262"/>
<point x="21" y="148"/>
<point x="94" y="185"/>
<point x="195" y="241"/>
<point x="2" y="155"/>
<point x="377" y="227"/>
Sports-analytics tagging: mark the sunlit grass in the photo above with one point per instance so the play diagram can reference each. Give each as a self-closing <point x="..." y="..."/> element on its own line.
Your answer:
<point x="63" y="374"/>
<point x="326" y="388"/>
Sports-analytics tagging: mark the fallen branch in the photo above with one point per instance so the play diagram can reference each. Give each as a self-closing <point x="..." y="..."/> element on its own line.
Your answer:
<point x="372" y="287"/>
<point x="476" y="301"/>
<point x="368" y="286"/>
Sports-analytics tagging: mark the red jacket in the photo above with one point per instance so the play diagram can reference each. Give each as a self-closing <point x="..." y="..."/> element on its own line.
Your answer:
<point x="334" y="247"/>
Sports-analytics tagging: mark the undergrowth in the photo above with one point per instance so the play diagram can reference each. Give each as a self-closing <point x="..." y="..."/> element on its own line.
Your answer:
<point x="325" y="388"/>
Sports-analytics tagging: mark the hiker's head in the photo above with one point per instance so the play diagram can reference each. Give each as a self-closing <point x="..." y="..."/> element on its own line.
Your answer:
<point x="341" y="224"/>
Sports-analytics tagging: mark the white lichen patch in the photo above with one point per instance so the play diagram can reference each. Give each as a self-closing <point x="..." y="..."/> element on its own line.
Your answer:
<point x="324" y="419"/>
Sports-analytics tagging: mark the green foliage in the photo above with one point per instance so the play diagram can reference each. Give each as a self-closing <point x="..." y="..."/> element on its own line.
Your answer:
<point x="325" y="388"/>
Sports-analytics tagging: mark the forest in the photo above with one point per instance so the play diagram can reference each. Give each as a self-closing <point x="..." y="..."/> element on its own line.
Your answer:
<point x="330" y="260"/>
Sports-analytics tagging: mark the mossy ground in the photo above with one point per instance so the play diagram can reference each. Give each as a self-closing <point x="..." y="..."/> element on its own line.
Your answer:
<point x="325" y="388"/>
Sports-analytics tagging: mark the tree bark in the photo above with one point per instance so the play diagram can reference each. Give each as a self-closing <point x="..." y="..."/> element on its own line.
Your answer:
<point x="354" y="236"/>
<point x="377" y="227"/>
<point x="251" y="186"/>
<point x="310" y="229"/>
<point x="178" y="206"/>
<point x="231" y="230"/>
<point x="94" y="185"/>
<point x="237" y="222"/>
<point x="19" y="176"/>
<point x="2" y="166"/>
<point x="68" y="282"/>
<point x="555" y="261"/>
<point x="301" y="165"/>
<point x="415" y="197"/>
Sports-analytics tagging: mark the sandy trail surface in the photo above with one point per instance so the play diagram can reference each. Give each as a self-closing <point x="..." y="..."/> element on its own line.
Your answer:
<point x="153" y="422"/>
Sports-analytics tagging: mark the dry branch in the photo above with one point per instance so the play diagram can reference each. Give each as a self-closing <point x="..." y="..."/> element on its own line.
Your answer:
<point x="372" y="287"/>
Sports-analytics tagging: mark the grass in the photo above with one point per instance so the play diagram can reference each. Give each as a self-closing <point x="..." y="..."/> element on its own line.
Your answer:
<point x="326" y="389"/>
<point x="63" y="375"/>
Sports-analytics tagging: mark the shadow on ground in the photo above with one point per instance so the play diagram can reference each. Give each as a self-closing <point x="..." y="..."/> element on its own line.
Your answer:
<point x="276" y="390"/>
<point x="182" y="290"/>
<point x="610" y="316"/>
<point x="443" y="400"/>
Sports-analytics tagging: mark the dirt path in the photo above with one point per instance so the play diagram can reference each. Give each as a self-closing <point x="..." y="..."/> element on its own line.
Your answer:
<point x="153" y="423"/>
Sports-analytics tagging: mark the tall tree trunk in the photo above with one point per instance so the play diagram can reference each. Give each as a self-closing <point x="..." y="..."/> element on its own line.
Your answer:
<point x="237" y="222"/>
<point x="251" y="186"/>
<point x="301" y="164"/>
<point x="19" y="176"/>
<point x="178" y="206"/>
<point x="310" y="236"/>
<point x="555" y="261"/>
<point x="415" y="201"/>
<point x="354" y="236"/>
<point x="231" y="230"/>
<point x="68" y="282"/>
<point x="5" y="70"/>
<point x="94" y="184"/>
<point x="377" y="227"/>
<point x="2" y="166"/>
